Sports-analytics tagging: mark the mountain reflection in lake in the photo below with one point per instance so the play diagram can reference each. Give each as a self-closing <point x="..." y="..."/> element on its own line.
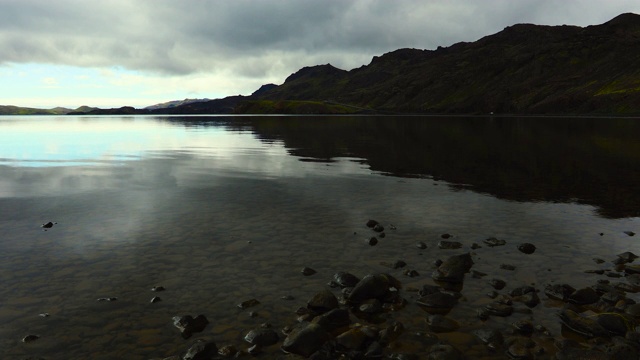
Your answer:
<point x="219" y="210"/>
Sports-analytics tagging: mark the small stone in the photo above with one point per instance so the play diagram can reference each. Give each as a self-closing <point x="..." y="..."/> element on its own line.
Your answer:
<point x="30" y="338"/>
<point x="371" y="223"/>
<point x="107" y="299"/>
<point x="307" y="271"/>
<point x="527" y="248"/>
<point x="287" y="297"/>
<point x="227" y="351"/>
<point x="48" y="225"/>
<point x="411" y="273"/>
<point x="446" y="236"/>
<point x="497" y="284"/>
<point x="507" y="267"/>
<point x="378" y="228"/>
<point x="44" y="315"/>
<point x="630" y="233"/>
<point x="399" y="264"/>
<point x="475" y="246"/>
<point x="155" y="299"/>
<point x="382" y="235"/>
<point x="372" y="241"/>
<point x="157" y="288"/>
<point x="449" y="245"/>
<point x="492" y="241"/>
<point x="248" y="303"/>
<point x="421" y="245"/>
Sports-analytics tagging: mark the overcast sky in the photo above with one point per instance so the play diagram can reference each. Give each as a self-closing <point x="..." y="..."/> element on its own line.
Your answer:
<point x="141" y="52"/>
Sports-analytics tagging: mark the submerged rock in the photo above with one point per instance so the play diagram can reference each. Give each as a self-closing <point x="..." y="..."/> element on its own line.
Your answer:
<point x="305" y="339"/>
<point x="189" y="325"/>
<point x="248" y="303"/>
<point x="323" y="302"/>
<point x="30" y="338"/>
<point x="262" y="337"/>
<point x="345" y="279"/>
<point x="201" y="350"/>
<point x="453" y="269"/>
<point x="527" y="248"/>
<point x="449" y="245"/>
<point x="372" y="286"/>
<point x="307" y="271"/>
<point x="492" y="241"/>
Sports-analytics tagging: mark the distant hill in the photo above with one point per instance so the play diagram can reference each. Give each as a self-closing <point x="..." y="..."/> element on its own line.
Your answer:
<point x="174" y="103"/>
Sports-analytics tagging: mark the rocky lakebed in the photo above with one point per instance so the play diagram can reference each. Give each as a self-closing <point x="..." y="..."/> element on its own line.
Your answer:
<point x="446" y="309"/>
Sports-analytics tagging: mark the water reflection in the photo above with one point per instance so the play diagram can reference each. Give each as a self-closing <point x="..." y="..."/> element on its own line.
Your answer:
<point x="591" y="161"/>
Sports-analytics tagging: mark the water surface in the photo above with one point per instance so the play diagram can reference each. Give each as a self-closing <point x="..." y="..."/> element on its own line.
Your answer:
<point x="223" y="209"/>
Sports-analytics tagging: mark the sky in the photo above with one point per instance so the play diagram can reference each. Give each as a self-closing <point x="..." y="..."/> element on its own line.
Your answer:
<point x="143" y="52"/>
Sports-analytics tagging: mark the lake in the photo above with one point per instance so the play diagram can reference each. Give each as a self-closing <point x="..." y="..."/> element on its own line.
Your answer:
<point x="223" y="209"/>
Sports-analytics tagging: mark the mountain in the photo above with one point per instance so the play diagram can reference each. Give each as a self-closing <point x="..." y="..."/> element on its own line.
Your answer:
<point x="17" y="110"/>
<point x="523" y="69"/>
<point x="174" y="103"/>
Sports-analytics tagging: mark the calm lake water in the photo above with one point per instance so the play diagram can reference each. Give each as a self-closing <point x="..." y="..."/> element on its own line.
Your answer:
<point x="219" y="210"/>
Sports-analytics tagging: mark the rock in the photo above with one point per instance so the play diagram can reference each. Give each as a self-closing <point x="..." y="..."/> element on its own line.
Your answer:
<point x="411" y="273"/>
<point x="307" y="271"/>
<point x="630" y="233"/>
<point x="475" y="246"/>
<point x="507" y="267"/>
<point x="371" y="223"/>
<point x="374" y="351"/>
<point x="345" y="279"/>
<point x="29" y="338"/>
<point x="372" y="241"/>
<point x="201" y="350"/>
<point x="585" y="326"/>
<point x="527" y="248"/>
<point x="378" y="228"/>
<point x="248" y="303"/>
<point x="497" y="284"/>
<point x="227" y="351"/>
<point x="489" y="336"/>
<point x="107" y="299"/>
<point x="584" y="296"/>
<point x="370" y="306"/>
<point x="429" y="289"/>
<point x="48" y="225"/>
<point x="261" y="337"/>
<point x="372" y="286"/>
<point x="520" y="349"/>
<point x="446" y="236"/>
<point x="494" y="242"/>
<point x="323" y="302"/>
<point x="382" y="235"/>
<point x="444" y="352"/>
<point x="438" y="302"/>
<point x="523" y="327"/>
<point x="334" y="319"/>
<point x="391" y="332"/>
<point x="615" y="324"/>
<point x="449" y="245"/>
<point x="155" y="299"/>
<point x="305" y="339"/>
<point x="157" y="288"/>
<point x="189" y="325"/>
<point x="441" y="324"/>
<point x="421" y="245"/>
<point x="453" y="269"/>
<point x="352" y="339"/>
<point x="498" y="309"/>
<point x="44" y="315"/>
<point x="627" y="256"/>
<point x="559" y="291"/>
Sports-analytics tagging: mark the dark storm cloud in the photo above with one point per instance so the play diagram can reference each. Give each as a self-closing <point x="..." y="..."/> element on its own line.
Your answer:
<point x="260" y="38"/>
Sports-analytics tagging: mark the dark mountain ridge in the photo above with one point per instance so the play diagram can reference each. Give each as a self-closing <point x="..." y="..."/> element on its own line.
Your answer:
<point x="523" y="69"/>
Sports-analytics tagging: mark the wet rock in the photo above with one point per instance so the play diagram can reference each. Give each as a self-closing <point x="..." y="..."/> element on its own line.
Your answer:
<point x="248" y="303"/>
<point x="334" y="319"/>
<point x="584" y="296"/>
<point x="307" y="271"/>
<point x="453" y="269"/>
<point x="201" y="350"/>
<point x="438" y="302"/>
<point x="623" y="351"/>
<point x="421" y="245"/>
<point x="189" y="325"/>
<point x="475" y="246"/>
<point x="411" y="273"/>
<point x="378" y="228"/>
<point x="391" y="332"/>
<point x="155" y="299"/>
<point x="351" y="339"/>
<point x="446" y="236"/>
<point x="494" y="242"/>
<point x="523" y="327"/>
<point x="633" y="310"/>
<point x="615" y="324"/>
<point x="345" y="279"/>
<point x="372" y="241"/>
<point x="157" y="288"/>
<point x="287" y="297"/>
<point x="107" y="299"/>
<point x="507" y="267"/>
<point x="323" y="302"/>
<point x="305" y="339"/>
<point x="520" y="350"/>
<point x="630" y="233"/>
<point x="48" y="225"/>
<point x="559" y="291"/>
<point x="254" y="350"/>
<point x="478" y="274"/>
<point x="585" y="326"/>
<point x="526" y="294"/>
<point x="627" y="256"/>
<point x="44" y="315"/>
<point x="399" y="264"/>
<point x="261" y="337"/>
<point x="444" y="352"/>
<point x="372" y="286"/>
<point x="374" y="351"/>
<point x="382" y="235"/>
<point x="429" y="289"/>
<point x="489" y="336"/>
<point x="370" y="306"/>
<point x="527" y="248"/>
<point x="30" y="338"/>
<point x="498" y="309"/>
<point x="598" y="260"/>
<point x="449" y="245"/>
<point x="227" y="351"/>
<point x="441" y="324"/>
<point x="371" y="223"/>
<point x="497" y="284"/>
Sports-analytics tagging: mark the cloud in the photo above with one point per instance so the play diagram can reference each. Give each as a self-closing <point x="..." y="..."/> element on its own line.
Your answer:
<point x="240" y="44"/>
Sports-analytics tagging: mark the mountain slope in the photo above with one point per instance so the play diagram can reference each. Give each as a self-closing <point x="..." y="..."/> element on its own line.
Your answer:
<point x="523" y="69"/>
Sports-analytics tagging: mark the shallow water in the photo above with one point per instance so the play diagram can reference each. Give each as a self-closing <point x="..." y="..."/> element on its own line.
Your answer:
<point x="223" y="209"/>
